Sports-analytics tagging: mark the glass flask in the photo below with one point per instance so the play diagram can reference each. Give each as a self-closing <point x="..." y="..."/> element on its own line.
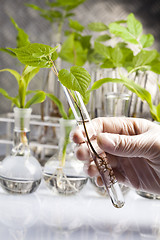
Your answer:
<point x="63" y="173"/>
<point x="20" y="172"/>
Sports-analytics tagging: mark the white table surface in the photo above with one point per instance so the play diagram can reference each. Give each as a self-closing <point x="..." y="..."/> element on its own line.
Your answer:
<point x="84" y="216"/>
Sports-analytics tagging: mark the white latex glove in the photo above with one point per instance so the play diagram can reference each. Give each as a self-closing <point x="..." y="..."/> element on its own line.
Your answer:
<point x="132" y="147"/>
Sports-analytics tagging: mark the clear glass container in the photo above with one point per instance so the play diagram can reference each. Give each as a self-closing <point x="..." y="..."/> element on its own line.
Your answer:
<point x="116" y="104"/>
<point x="20" y="172"/>
<point x="63" y="173"/>
<point x="148" y="195"/>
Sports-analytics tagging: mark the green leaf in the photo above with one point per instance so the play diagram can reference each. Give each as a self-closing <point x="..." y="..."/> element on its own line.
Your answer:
<point x="53" y="4"/>
<point x="108" y="63"/>
<point x="69" y="15"/>
<point x="58" y="103"/>
<point x="73" y="52"/>
<point x="6" y="95"/>
<point x="147" y="40"/>
<point x="37" y="98"/>
<point x="22" y="92"/>
<point x="121" y="45"/>
<point x="155" y="66"/>
<point x="121" y="31"/>
<point x="94" y="57"/>
<point x="117" y="56"/>
<point x="8" y="51"/>
<point x="22" y="37"/>
<point x="144" y="57"/>
<point x="78" y="79"/>
<point x="103" y="50"/>
<point x="103" y="38"/>
<point x="51" y="15"/>
<point x="127" y="54"/>
<point x="13" y="72"/>
<point x="154" y="113"/>
<point x="130" y="84"/>
<point x="70" y="4"/>
<point x="66" y="52"/>
<point x="79" y="54"/>
<point x="134" y="26"/>
<point x="36" y="55"/>
<point x="66" y="5"/>
<point x="86" y="97"/>
<point x="97" y="26"/>
<point x="35" y="7"/>
<point x="85" y="41"/>
<point x="121" y="21"/>
<point x="158" y="112"/>
<point x="29" y="73"/>
<point x="76" y="25"/>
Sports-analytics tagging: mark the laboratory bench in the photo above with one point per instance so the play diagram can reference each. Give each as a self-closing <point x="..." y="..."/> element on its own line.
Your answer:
<point x="86" y="215"/>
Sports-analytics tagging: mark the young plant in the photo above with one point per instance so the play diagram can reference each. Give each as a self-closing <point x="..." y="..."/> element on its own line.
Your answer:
<point x="129" y="53"/>
<point x="57" y="13"/>
<point x="65" y="116"/>
<point x="23" y="81"/>
<point x="22" y="38"/>
<point x="43" y="56"/>
<point x="77" y="79"/>
<point x="76" y="48"/>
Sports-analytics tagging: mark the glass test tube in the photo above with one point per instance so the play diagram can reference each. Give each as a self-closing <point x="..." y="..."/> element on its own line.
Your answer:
<point x="101" y="161"/>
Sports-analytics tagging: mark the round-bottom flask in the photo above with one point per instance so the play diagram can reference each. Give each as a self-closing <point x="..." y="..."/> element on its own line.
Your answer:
<point x="20" y="172"/>
<point x="63" y="173"/>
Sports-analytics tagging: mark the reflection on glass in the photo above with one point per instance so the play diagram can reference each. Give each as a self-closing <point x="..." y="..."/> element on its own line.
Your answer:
<point x="116" y="104"/>
<point x="63" y="173"/>
<point x="62" y="215"/>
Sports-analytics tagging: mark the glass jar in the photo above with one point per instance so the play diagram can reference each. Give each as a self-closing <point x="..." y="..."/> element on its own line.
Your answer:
<point x="116" y="104"/>
<point x="63" y="173"/>
<point x="20" y="172"/>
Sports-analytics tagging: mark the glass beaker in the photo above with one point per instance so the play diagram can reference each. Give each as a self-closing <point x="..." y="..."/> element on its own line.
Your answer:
<point x="116" y="104"/>
<point x="63" y="173"/>
<point x="20" y="172"/>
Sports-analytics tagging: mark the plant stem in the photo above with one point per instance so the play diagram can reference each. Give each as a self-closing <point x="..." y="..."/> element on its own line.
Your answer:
<point x="83" y="121"/>
<point x="101" y="162"/>
<point x="137" y="68"/>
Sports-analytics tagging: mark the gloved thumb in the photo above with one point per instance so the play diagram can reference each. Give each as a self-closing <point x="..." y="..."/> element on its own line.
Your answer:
<point x="123" y="145"/>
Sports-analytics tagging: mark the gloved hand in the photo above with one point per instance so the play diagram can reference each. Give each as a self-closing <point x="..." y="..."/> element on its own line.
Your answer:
<point x="132" y="147"/>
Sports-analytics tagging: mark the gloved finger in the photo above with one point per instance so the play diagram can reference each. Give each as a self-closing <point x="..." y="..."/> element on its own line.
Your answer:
<point x="83" y="150"/>
<point x="126" y="146"/>
<point x="118" y="125"/>
<point x="92" y="170"/>
<point x="77" y="135"/>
